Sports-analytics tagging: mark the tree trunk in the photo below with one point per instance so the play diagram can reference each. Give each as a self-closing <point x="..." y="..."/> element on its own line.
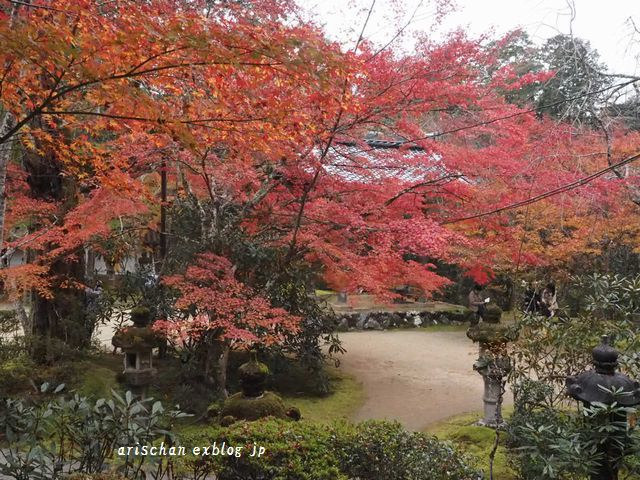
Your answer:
<point x="6" y="123"/>
<point x="215" y="353"/>
<point x="90" y="267"/>
<point x="61" y="324"/>
<point x="23" y="316"/>
<point x="221" y="371"/>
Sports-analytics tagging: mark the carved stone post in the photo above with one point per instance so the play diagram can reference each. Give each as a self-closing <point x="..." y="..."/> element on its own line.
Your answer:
<point x="493" y="362"/>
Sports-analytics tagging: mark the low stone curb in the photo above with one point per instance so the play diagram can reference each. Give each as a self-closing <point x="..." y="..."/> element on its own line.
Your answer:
<point x="378" y="320"/>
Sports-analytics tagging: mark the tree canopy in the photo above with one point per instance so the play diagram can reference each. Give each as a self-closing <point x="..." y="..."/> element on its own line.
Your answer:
<point x="256" y="125"/>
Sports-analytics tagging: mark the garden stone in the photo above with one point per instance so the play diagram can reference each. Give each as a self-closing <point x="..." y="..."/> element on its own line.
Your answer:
<point x="343" y="325"/>
<point x="372" y="324"/>
<point x="352" y="319"/>
<point x="395" y="320"/>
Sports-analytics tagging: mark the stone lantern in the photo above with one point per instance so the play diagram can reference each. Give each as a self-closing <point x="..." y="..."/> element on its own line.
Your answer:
<point x="137" y="343"/>
<point x="493" y="362"/>
<point x="253" y="401"/>
<point x="596" y="386"/>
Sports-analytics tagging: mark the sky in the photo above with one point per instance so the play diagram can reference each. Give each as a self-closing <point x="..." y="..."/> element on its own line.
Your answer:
<point x="606" y="25"/>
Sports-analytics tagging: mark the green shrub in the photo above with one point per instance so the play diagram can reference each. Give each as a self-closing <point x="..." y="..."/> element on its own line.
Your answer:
<point x="97" y="476"/>
<point x="492" y="314"/>
<point x="193" y="398"/>
<point x="548" y="437"/>
<point x="293" y="451"/>
<point x="78" y="435"/>
<point x="97" y="382"/>
<point x="461" y="314"/>
<point x="311" y="451"/>
<point x="375" y="450"/>
<point x="9" y="322"/>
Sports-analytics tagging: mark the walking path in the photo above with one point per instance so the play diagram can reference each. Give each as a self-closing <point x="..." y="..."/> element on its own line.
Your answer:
<point x="418" y="377"/>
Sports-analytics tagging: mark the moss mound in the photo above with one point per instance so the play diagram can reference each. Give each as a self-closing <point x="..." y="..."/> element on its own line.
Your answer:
<point x="492" y="314"/>
<point x="136" y="337"/>
<point x="492" y="333"/>
<point x="15" y="374"/>
<point x="140" y="316"/>
<point x="242" y="407"/>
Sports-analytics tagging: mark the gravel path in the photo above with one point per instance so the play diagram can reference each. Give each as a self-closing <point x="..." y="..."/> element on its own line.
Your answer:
<point x="417" y="377"/>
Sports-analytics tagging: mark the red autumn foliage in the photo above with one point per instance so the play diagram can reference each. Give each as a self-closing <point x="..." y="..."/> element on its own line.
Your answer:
<point x="249" y="109"/>
<point x="214" y="301"/>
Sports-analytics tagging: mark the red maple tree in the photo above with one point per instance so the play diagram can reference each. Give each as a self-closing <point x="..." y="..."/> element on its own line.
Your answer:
<point x="261" y="123"/>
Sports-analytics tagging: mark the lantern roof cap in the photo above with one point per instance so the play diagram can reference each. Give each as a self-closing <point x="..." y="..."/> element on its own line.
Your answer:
<point x="599" y="384"/>
<point x="605" y="357"/>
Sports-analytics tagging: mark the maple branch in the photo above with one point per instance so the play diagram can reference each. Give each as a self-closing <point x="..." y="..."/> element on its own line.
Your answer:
<point x="153" y="57"/>
<point x="61" y="93"/>
<point x="267" y="186"/>
<point x="398" y="33"/>
<point x="334" y="130"/>
<point x="522" y="112"/>
<point x="550" y="193"/>
<point x="31" y="5"/>
<point x="221" y="119"/>
<point x="433" y="135"/>
<point x="29" y="238"/>
<point x="154" y="120"/>
<point x="364" y="26"/>
<point x="413" y="188"/>
<point x="621" y="75"/>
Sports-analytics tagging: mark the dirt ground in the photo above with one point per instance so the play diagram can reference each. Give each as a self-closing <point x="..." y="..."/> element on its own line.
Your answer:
<point x="418" y="377"/>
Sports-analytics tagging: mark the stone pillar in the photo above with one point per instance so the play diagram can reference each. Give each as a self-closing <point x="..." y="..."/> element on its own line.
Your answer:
<point x="493" y="370"/>
<point x="493" y="364"/>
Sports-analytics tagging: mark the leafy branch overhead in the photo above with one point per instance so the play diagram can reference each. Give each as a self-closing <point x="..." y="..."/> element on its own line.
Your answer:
<point x="359" y="167"/>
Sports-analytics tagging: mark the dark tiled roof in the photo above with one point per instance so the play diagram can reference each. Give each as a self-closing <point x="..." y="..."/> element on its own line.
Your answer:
<point x="375" y="160"/>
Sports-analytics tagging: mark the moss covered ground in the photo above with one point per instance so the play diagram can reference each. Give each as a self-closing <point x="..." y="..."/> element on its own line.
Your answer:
<point x="475" y="440"/>
<point x="345" y="397"/>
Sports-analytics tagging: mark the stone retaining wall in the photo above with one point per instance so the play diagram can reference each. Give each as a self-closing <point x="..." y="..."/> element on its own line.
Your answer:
<point x="380" y="320"/>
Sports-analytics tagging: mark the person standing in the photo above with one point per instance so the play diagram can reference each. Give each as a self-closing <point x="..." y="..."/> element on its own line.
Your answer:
<point x="531" y="299"/>
<point x="548" y="300"/>
<point x="477" y="303"/>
